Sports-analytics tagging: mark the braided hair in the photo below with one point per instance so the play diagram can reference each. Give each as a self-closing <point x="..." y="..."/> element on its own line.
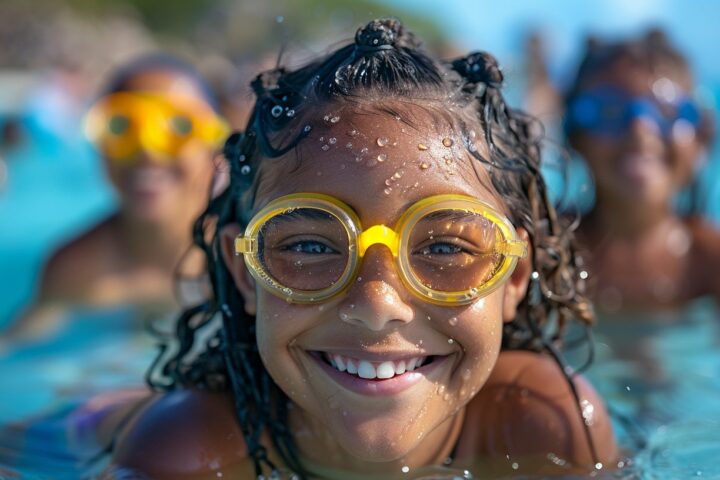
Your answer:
<point x="384" y="62"/>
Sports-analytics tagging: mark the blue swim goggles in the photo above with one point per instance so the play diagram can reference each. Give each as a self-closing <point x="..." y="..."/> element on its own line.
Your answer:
<point x="609" y="111"/>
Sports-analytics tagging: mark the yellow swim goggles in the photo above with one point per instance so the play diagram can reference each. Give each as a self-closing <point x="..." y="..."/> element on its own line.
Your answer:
<point x="124" y="123"/>
<point x="449" y="249"/>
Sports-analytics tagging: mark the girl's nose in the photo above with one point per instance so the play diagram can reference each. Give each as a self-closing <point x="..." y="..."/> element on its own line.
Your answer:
<point x="378" y="298"/>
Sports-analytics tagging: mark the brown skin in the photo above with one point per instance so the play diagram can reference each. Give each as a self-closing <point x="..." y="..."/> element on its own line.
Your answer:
<point x="643" y="256"/>
<point x="130" y="258"/>
<point x="337" y="430"/>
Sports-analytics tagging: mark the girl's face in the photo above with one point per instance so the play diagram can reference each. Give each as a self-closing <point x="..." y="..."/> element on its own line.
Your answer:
<point x="648" y="154"/>
<point x="379" y="166"/>
<point x="152" y="186"/>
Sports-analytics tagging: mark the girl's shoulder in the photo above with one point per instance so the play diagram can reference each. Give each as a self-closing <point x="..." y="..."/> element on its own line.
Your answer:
<point x="181" y="433"/>
<point x="527" y="410"/>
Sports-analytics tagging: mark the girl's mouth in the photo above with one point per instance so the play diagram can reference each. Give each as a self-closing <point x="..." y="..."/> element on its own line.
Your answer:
<point x="371" y="370"/>
<point x="386" y="377"/>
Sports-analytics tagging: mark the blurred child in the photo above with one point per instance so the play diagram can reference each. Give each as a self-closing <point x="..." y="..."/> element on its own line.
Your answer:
<point x="632" y="116"/>
<point x="156" y="126"/>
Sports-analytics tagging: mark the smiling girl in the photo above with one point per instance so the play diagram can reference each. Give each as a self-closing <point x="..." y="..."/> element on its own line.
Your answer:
<point x="393" y="285"/>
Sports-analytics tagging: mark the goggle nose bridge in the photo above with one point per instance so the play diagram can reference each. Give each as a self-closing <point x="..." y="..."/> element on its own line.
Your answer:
<point x="378" y="234"/>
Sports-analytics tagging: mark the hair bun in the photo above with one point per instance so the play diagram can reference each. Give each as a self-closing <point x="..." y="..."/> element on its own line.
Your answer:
<point x="480" y="67"/>
<point x="379" y="34"/>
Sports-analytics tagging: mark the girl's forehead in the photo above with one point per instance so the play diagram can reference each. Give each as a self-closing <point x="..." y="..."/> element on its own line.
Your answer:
<point x="378" y="163"/>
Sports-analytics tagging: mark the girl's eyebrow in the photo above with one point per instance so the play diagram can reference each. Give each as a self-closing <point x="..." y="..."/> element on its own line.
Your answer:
<point x="301" y="213"/>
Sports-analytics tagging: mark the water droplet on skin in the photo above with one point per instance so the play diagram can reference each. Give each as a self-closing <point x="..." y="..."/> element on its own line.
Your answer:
<point x="424" y="166"/>
<point x="321" y="139"/>
<point x="382" y="157"/>
<point x="348" y="145"/>
<point x="583" y="274"/>
<point x="404" y="469"/>
<point x="325" y="148"/>
<point x="353" y="132"/>
<point x="453" y="321"/>
<point x="535" y="275"/>
<point x="388" y="182"/>
<point x="382" y="141"/>
<point x="307" y="128"/>
<point x="387" y="191"/>
<point x="446" y="397"/>
<point x="335" y="119"/>
<point x="245" y="169"/>
<point x="420" y="342"/>
<point x="276" y="111"/>
<point x="364" y="151"/>
<point x="450" y="340"/>
<point x="448" y="160"/>
<point x="326" y="118"/>
<point x="397" y="175"/>
<point x="290" y="113"/>
<point x="422" y="146"/>
<point x="515" y="466"/>
<point x="448" y="142"/>
<point x="332" y="140"/>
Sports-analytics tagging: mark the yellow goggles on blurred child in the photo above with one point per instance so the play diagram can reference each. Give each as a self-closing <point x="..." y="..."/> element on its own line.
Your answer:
<point x="124" y="123"/>
<point x="449" y="249"/>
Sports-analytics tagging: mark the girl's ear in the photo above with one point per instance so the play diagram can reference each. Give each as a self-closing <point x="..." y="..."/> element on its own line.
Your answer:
<point x="236" y="265"/>
<point x="516" y="287"/>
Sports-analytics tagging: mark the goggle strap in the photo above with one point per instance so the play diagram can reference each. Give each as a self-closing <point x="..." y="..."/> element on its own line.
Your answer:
<point x="513" y="248"/>
<point x="245" y="245"/>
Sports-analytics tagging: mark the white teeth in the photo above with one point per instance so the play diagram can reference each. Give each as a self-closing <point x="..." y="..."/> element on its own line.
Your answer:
<point x="411" y="364"/>
<point x="351" y="367"/>
<point x="385" y="370"/>
<point x="339" y="362"/>
<point x="366" y="370"/>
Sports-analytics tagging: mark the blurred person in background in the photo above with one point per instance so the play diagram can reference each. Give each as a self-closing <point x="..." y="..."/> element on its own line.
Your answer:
<point x="631" y="115"/>
<point x="157" y="127"/>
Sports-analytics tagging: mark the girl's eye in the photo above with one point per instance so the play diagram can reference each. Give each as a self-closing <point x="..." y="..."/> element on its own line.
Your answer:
<point x="181" y="124"/>
<point x="310" y="247"/>
<point x="440" y="248"/>
<point x="118" y="124"/>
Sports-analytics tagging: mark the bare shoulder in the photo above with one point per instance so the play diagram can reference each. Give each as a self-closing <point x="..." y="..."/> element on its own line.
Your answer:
<point x="184" y="432"/>
<point x="72" y="269"/>
<point x="527" y="410"/>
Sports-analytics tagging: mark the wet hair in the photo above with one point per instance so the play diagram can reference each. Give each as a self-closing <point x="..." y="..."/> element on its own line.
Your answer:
<point x="653" y="52"/>
<point x="120" y="79"/>
<point x="385" y="62"/>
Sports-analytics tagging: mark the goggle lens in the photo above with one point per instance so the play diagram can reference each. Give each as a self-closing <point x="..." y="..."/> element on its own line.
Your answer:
<point x="304" y="249"/>
<point x="453" y="250"/>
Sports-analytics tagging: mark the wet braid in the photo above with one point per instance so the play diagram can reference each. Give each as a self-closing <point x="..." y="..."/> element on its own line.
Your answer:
<point x="385" y="61"/>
